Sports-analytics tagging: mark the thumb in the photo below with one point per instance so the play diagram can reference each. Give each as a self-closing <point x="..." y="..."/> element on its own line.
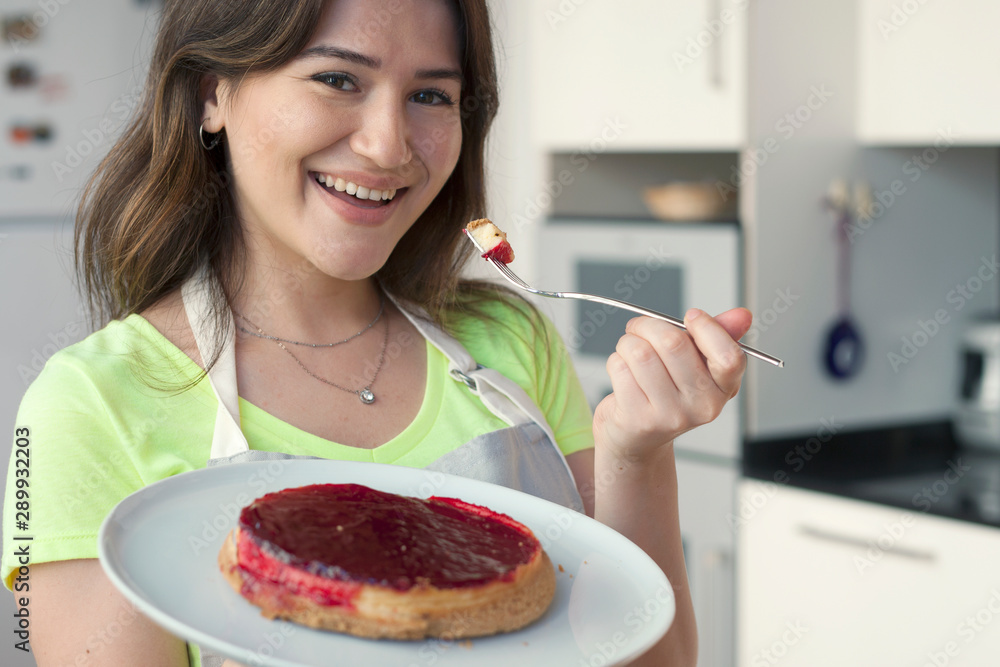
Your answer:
<point x="736" y="322"/>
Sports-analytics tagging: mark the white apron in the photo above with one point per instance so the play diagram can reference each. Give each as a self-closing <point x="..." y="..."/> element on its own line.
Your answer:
<point x="523" y="456"/>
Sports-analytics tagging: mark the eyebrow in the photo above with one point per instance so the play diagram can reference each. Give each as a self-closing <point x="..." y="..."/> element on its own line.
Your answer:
<point x="326" y="51"/>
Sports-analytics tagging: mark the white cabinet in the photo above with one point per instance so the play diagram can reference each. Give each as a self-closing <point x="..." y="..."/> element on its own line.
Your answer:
<point x="645" y="75"/>
<point x="925" y="67"/>
<point x="829" y="581"/>
<point x="706" y="497"/>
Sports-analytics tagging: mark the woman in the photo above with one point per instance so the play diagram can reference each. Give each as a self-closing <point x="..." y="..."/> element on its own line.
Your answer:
<point x="285" y="212"/>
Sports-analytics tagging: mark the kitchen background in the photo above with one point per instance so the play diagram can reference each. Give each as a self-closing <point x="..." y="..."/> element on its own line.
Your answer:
<point x="827" y="521"/>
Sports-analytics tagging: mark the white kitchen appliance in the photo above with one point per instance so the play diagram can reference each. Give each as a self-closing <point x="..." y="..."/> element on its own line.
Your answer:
<point x="79" y="67"/>
<point x="668" y="267"/>
<point x="977" y="415"/>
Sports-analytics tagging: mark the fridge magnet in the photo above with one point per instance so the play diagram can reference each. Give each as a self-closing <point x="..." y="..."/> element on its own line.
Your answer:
<point x="21" y="75"/>
<point x="15" y="172"/>
<point x="18" y="28"/>
<point x="53" y="88"/>
<point x="26" y="133"/>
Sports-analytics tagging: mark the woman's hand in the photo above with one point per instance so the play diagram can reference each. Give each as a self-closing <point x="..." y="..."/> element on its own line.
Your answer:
<point x="667" y="381"/>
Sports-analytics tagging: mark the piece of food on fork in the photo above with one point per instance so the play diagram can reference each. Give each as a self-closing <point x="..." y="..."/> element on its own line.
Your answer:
<point x="491" y="239"/>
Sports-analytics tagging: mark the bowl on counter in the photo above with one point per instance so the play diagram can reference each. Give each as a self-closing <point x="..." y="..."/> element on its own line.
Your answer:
<point x="690" y="201"/>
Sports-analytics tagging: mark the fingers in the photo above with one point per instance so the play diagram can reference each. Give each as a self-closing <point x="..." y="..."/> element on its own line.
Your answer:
<point x="648" y="382"/>
<point x="702" y="358"/>
<point x="724" y="358"/>
<point x="667" y="380"/>
<point x="736" y="322"/>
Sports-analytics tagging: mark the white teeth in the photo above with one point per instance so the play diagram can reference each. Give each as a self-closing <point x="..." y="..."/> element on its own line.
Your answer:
<point x="359" y="191"/>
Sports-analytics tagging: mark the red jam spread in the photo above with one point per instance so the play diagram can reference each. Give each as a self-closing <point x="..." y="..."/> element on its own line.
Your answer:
<point x="351" y="534"/>
<point x="502" y="252"/>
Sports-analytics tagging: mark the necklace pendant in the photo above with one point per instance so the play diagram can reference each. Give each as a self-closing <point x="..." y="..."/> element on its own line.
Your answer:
<point x="366" y="396"/>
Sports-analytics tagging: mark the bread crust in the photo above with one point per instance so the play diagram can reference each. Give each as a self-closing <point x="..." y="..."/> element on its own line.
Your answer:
<point x="380" y="612"/>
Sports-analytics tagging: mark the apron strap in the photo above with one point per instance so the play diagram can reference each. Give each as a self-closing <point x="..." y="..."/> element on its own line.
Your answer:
<point x="501" y="395"/>
<point x="228" y="439"/>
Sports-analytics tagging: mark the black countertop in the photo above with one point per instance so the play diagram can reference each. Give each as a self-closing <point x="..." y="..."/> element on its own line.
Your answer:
<point x="920" y="467"/>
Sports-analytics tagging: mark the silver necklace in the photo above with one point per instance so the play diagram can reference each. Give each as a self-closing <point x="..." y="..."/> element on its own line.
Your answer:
<point x="260" y="334"/>
<point x="365" y="393"/>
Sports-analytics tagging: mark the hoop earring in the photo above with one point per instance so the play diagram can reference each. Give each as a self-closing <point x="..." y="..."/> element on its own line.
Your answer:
<point x="201" y="137"/>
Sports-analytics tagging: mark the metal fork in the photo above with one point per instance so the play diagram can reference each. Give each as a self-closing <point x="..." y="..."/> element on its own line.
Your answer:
<point x="517" y="282"/>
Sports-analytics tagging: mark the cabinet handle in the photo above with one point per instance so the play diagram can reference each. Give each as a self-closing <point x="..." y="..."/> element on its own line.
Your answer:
<point x="894" y="550"/>
<point x="715" y="50"/>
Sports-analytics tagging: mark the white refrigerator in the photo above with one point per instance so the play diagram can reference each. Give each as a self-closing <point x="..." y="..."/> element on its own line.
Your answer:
<point x="70" y="76"/>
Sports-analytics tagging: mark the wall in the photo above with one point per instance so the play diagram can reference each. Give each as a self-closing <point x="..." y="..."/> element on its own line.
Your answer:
<point x="905" y="264"/>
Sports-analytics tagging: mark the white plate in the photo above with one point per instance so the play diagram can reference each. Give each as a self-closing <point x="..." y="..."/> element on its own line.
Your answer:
<point x="159" y="547"/>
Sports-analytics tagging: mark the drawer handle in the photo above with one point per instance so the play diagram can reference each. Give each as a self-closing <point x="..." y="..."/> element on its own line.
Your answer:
<point x="893" y="550"/>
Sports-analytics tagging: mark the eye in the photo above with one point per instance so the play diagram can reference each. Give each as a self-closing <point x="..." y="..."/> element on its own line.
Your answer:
<point x="432" y="97"/>
<point x="337" y="80"/>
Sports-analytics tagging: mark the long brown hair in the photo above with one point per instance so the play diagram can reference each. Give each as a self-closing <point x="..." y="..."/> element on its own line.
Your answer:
<point x="159" y="205"/>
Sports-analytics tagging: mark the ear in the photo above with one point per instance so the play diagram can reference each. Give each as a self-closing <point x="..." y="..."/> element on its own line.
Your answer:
<point x="210" y="92"/>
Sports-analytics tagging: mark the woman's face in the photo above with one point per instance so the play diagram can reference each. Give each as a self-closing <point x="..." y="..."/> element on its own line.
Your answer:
<point x="336" y="154"/>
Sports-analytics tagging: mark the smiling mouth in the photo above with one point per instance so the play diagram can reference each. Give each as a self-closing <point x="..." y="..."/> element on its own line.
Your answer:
<point x="354" y="194"/>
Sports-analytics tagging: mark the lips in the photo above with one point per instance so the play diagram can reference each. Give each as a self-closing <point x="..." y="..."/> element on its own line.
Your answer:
<point x="351" y="192"/>
<point x="355" y="210"/>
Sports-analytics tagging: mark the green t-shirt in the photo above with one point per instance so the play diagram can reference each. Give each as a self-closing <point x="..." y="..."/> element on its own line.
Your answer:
<point x="103" y="426"/>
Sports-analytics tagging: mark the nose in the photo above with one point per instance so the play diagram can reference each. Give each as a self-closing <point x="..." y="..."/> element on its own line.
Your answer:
<point x="383" y="134"/>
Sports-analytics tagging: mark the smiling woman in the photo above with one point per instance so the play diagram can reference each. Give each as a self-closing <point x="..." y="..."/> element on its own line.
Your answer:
<point x="276" y="241"/>
<point x="378" y="123"/>
<point x="159" y="204"/>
